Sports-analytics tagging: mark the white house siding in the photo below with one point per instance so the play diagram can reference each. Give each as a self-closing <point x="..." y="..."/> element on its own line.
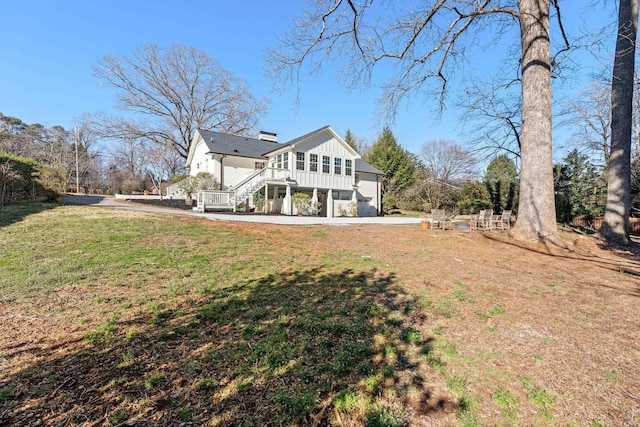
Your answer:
<point x="368" y="189"/>
<point x="323" y="180"/>
<point x="320" y="145"/>
<point x="202" y="162"/>
<point x="236" y="169"/>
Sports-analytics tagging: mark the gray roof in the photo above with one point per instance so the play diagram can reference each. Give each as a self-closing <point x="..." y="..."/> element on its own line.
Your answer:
<point x="234" y="145"/>
<point x="300" y="138"/>
<point x="364" y="167"/>
<point x="242" y="146"/>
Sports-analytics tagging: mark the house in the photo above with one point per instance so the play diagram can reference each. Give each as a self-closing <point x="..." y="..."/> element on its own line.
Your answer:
<point x="320" y="164"/>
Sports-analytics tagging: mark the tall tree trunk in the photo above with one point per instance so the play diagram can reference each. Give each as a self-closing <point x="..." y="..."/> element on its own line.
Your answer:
<point x="537" y="211"/>
<point x="615" y="227"/>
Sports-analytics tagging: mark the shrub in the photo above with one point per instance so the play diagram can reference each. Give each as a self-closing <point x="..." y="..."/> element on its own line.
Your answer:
<point x="201" y="181"/>
<point x="303" y="204"/>
<point x="351" y="210"/>
<point x="23" y="178"/>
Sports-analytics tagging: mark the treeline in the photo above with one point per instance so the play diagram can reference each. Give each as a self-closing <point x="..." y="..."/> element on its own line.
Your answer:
<point x="445" y="175"/>
<point x="41" y="162"/>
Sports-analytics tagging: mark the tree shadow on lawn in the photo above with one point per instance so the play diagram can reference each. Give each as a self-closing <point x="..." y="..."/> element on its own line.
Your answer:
<point x="618" y="261"/>
<point x="299" y="348"/>
<point x="10" y="214"/>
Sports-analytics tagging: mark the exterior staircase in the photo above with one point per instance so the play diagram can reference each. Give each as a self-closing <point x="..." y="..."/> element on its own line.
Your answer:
<point x="221" y="199"/>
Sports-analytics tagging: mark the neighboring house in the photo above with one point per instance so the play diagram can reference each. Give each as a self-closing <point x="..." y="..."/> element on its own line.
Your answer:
<point x="320" y="164"/>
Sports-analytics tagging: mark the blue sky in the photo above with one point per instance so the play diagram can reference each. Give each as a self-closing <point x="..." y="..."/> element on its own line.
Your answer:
<point x="50" y="46"/>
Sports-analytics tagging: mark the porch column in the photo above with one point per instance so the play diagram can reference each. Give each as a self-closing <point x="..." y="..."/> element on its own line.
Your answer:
<point x="276" y="189"/>
<point x="314" y="199"/>
<point x="354" y="199"/>
<point x="287" y="202"/>
<point x="265" y="207"/>
<point x="330" y="203"/>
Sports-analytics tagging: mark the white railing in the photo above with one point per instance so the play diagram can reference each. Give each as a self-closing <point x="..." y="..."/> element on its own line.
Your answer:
<point x="254" y="182"/>
<point x="176" y="190"/>
<point x="215" y="199"/>
<point x="240" y="192"/>
<point x="275" y="173"/>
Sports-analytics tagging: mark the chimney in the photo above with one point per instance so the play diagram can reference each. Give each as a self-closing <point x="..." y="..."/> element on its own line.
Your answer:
<point x="268" y="136"/>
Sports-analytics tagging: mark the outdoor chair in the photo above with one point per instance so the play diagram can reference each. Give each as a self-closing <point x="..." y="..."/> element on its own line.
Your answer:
<point x="502" y="221"/>
<point x="482" y="221"/>
<point x="439" y="219"/>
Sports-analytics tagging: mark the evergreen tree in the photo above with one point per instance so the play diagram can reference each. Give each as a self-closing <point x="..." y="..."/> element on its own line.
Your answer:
<point x="577" y="185"/>
<point x="501" y="181"/>
<point x="350" y="139"/>
<point x="397" y="163"/>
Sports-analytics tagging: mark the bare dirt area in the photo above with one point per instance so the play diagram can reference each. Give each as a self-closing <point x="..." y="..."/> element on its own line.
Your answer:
<point x="522" y="334"/>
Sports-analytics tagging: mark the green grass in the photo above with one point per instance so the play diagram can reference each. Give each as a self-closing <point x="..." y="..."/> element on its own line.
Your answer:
<point x="507" y="403"/>
<point x="6" y="393"/>
<point x="175" y="313"/>
<point x="247" y="326"/>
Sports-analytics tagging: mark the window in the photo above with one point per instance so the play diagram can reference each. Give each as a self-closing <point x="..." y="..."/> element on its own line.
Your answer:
<point x="300" y="161"/>
<point x="347" y="167"/>
<point x="259" y="165"/>
<point x="337" y="166"/>
<point x="326" y="164"/>
<point x="282" y="161"/>
<point x="313" y="162"/>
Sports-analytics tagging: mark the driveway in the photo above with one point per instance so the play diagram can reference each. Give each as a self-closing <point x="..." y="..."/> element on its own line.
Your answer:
<point x="110" y="202"/>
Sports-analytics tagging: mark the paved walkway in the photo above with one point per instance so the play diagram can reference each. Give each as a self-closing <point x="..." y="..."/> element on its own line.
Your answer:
<point x="110" y="202"/>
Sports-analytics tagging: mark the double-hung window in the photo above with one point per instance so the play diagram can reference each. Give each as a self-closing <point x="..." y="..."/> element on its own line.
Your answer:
<point x="313" y="162"/>
<point x="348" y="170"/>
<point x="326" y="164"/>
<point x="300" y="161"/>
<point x="282" y="161"/>
<point x="337" y="166"/>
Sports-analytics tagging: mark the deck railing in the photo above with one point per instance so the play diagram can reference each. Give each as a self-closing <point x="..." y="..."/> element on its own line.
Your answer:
<point x="220" y="199"/>
<point x="215" y="198"/>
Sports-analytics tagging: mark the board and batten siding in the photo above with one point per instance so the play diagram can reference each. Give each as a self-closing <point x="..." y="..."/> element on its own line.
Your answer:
<point x="321" y="146"/>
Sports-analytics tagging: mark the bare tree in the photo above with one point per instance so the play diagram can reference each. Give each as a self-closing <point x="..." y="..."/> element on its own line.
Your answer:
<point x="590" y="113"/>
<point x="492" y="110"/>
<point x="427" y="41"/>
<point x="169" y="94"/>
<point x="160" y="163"/>
<point x="446" y="160"/>
<point x="615" y="227"/>
<point x="430" y="193"/>
<point x="129" y="156"/>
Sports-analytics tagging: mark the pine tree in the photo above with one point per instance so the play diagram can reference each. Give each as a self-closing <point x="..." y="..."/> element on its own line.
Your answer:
<point x="350" y="139"/>
<point x="397" y="163"/>
<point x="501" y="181"/>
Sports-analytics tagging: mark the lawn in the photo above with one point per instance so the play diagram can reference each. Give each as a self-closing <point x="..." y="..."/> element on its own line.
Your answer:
<point x="112" y="317"/>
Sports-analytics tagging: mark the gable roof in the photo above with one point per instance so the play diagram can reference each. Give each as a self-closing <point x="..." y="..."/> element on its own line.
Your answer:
<point x="302" y="138"/>
<point x="242" y="146"/>
<point x="234" y="145"/>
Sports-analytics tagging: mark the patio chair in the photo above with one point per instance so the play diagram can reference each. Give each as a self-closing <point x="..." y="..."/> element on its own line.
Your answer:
<point x="482" y="221"/>
<point x="439" y="219"/>
<point x="502" y="220"/>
